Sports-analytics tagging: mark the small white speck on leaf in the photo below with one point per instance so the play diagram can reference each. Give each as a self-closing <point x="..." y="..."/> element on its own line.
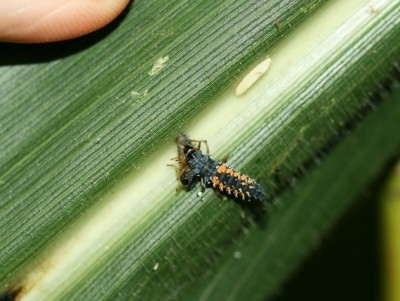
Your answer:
<point x="200" y="194"/>
<point x="159" y="65"/>
<point x="155" y="267"/>
<point x="237" y="255"/>
<point x="253" y="76"/>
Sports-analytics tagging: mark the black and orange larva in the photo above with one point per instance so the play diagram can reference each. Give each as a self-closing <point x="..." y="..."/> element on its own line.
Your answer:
<point x="194" y="167"/>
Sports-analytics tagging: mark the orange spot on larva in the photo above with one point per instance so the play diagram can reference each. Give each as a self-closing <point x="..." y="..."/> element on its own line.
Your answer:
<point x="229" y="171"/>
<point x="236" y="175"/>
<point x="221" y="168"/>
<point x="215" y="181"/>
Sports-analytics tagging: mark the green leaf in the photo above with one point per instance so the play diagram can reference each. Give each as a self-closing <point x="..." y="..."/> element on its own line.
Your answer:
<point x="309" y="209"/>
<point x="72" y="128"/>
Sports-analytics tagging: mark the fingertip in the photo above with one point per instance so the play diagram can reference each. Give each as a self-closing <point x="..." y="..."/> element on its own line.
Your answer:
<point x="24" y="21"/>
